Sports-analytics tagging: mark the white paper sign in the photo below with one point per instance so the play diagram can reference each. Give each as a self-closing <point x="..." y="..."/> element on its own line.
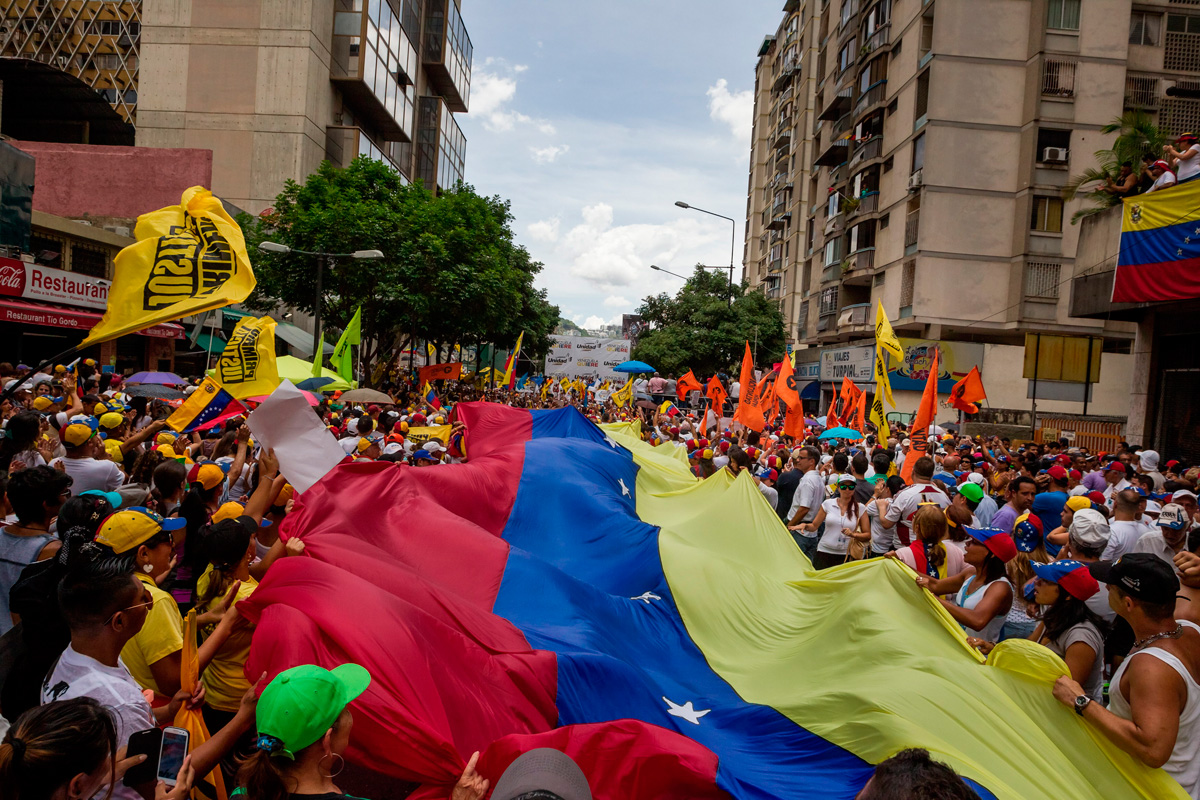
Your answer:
<point x="285" y="422"/>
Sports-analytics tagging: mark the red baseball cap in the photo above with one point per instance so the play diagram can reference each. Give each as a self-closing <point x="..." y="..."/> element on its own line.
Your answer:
<point x="1096" y="497"/>
<point x="1057" y="472"/>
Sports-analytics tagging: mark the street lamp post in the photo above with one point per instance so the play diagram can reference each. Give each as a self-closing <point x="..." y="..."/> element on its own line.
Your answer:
<point x="660" y="269"/>
<point x="732" y="238"/>
<point x="283" y="249"/>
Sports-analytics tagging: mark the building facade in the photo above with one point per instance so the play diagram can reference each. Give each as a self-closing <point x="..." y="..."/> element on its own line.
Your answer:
<point x="914" y="152"/>
<point x="271" y="87"/>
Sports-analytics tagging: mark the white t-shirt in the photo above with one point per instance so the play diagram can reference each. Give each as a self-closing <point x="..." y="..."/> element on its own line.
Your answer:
<point x="881" y="537"/>
<point x="90" y="473"/>
<point x="1123" y="535"/>
<point x="29" y="458"/>
<point x="838" y="527"/>
<point x="809" y="494"/>
<point x="1164" y="181"/>
<point x="769" y="493"/>
<point x="906" y="503"/>
<point x="77" y="675"/>
<point x="1191" y="167"/>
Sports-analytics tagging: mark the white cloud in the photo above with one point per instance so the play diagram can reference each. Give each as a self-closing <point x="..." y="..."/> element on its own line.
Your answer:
<point x="593" y="322"/>
<point x="613" y="301"/>
<point x="547" y="155"/>
<point x="735" y="109"/>
<point x="545" y="230"/>
<point x="491" y="92"/>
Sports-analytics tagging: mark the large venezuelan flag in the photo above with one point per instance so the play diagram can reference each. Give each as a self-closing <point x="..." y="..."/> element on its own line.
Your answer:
<point x="575" y="588"/>
<point x="1160" y="246"/>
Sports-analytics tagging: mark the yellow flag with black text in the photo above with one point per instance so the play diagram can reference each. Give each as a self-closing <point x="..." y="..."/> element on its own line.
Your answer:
<point x="188" y="259"/>
<point x="878" y="415"/>
<point x="247" y="366"/>
<point x="885" y="337"/>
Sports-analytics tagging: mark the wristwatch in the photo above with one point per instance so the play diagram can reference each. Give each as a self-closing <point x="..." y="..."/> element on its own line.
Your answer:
<point x="1081" y="703"/>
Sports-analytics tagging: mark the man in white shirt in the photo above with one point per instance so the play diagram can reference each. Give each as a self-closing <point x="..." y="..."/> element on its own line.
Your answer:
<point x="1186" y="156"/>
<point x="1148" y="465"/>
<point x="1163" y="178"/>
<point x="1126" y="525"/>
<point x="1170" y="536"/>
<point x="766" y="485"/>
<point x="904" y="505"/>
<point x="1115" y="480"/>
<point x="808" y="498"/>
<point x="87" y="472"/>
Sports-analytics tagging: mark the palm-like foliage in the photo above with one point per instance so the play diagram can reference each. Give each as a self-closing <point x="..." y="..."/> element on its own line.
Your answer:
<point x="1137" y="137"/>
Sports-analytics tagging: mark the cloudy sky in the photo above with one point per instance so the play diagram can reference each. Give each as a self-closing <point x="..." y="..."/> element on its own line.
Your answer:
<point x="594" y="118"/>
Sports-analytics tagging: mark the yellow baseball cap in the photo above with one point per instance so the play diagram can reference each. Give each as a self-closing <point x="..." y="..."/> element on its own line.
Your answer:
<point x="111" y="420"/>
<point x="77" y="433"/>
<point x="113" y="448"/>
<point x="42" y="403"/>
<point x="128" y="528"/>
<point x="166" y="437"/>
<point x="363" y="444"/>
<point x="208" y="475"/>
<point x="167" y="450"/>
<point x="232" y="510"/>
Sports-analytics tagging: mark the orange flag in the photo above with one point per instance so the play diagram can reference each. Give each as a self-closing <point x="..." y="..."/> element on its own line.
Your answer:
<point x="968" y="392"/>
<point x="748" y="413"/>
<point x="716" y="396"/>
<point x="831" y="418"/>
<point x="919" y="436"/>
<point x="768" y="403"/>
<point x="687" y="384"/>
<point x="793" y="424"/>
<point x="860" y="416"/>
<point x="191" y="720"/>
<point x="785" y="386"/>
<point x="850" y="394"/>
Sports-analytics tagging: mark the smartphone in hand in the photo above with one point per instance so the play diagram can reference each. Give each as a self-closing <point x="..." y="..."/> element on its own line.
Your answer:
<point x="143" y="743"/>
<point x="172" y="753"/>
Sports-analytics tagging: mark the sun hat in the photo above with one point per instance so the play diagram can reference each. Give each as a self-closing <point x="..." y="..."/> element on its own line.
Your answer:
<point x="129" y="528"/>
<point x="303" y="702"/>
<point x="1073" y="576"/>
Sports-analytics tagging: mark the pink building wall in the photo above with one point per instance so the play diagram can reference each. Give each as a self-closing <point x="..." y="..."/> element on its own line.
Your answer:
<point x="105" y="181"/>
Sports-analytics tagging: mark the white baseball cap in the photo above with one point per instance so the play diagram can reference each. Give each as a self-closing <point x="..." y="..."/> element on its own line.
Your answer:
<point x="1090" y="527"/>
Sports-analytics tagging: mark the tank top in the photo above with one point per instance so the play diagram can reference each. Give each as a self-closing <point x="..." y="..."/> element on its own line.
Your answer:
<point x="991" y="631"/>
<point x="1184" y="763"/>
<point x="16" y="553"/>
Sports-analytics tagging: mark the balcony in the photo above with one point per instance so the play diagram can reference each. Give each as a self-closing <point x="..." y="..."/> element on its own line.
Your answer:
<point x="874" y="95"/>
<point x="857" y="267"/>
<point x="880" y="38"/>
<point x="1058" y="77"/>
<point x="866" y="150"/>
<point x="837" y="106"/>
<point x="854" y="316"/>
<point x="777" y="265"/>
<point x="786" y="70"/>
<point x="782" y="140"/>
<point x="867" y="204"/>
<point x="780" y="221"/>
<point x="1142" y="91"/>
<point x="446" y="53"/>
<point x="374" y="63"/>
<point x="835" y="153"/>
<point x="344" y="143"/>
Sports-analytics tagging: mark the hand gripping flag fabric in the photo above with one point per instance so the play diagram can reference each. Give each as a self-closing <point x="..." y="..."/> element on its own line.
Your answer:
<point x="574" y="588"/>
<point x="1160" y="246"/>
<point x="247" y="366"/>
<point x="209" y="405"/>
<point x="188" y="259"/>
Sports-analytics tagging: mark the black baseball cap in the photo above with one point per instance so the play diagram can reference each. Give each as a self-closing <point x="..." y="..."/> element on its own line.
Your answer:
<point x="1142" y="576"/>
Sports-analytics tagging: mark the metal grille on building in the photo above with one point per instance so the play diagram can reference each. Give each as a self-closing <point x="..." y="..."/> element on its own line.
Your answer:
<point x="1041" y="280"/>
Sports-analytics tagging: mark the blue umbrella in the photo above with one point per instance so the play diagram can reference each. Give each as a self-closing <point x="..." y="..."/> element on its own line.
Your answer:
<point x="841" y="433"/>
<point x="164" y="378"/>
<point x="633" y="367"/>
<point x="314" y="384"/>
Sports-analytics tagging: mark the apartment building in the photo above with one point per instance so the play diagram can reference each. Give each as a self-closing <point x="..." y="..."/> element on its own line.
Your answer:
<point x="271" y="87"/>
<point x="913" y="152"/>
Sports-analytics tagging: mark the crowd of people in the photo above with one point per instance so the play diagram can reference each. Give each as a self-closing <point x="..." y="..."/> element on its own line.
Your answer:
<point x="1180" y="162"/>
<point x="118" y="530"/>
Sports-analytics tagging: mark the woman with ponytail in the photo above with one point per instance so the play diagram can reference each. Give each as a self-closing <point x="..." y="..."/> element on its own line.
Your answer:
<point x="929" y="555"/>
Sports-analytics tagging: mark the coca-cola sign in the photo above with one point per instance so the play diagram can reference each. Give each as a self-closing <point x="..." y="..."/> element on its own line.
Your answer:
<point x="36" y="282"/>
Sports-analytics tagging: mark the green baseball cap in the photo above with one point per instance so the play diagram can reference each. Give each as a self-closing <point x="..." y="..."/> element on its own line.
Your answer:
<point x="303" y="702"/>
<point x="971" y="491"/>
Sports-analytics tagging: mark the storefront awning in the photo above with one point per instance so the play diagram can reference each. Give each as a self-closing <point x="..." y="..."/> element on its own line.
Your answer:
<point x="208" y="343"/>
<point x="300" y="340"/>
<point x="811" y="391"/>
<point x="26" y="313"/>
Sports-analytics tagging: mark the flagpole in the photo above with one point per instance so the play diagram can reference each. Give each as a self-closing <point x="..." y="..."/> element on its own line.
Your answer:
<point x="52" y="360"/>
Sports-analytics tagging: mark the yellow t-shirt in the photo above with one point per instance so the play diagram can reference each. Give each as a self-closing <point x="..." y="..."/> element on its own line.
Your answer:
<point x="161" y="636"/>
<point x="224" y="681"/>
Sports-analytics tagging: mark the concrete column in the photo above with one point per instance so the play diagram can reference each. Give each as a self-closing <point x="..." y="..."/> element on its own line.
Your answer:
<point x="1139" y="429"/>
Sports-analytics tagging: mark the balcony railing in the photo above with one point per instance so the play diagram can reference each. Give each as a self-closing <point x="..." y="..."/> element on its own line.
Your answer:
<point x="866" y="204"/>
<point x="782" y="140"/>
<point x="1058" y="77"/>
<point x="911" y="227"/>
<point x="880" y="38"/>
<point x="854" y="315"/>
<point x="863" y="258"/>
<point x="866" y="150"/>
<point x="835" y="153"/>
<point x="1141" y="91"/>
<point x="877" y="93"/>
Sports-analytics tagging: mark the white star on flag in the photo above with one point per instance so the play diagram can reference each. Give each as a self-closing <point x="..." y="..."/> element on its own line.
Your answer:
<point x="685" y="711"/>
<point x="614" y="445"/>
<point x="624" y="488"/>
<point x="646" y="597"/>
<point x="1179" y="252"/>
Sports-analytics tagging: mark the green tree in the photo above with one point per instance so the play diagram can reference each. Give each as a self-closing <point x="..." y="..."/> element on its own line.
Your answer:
<point x="699" y="329"/>
<point x="1137" y="137"/>
<point x="451" y="271"/>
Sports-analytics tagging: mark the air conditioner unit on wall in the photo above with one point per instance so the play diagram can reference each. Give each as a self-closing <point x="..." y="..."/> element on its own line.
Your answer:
<point x="916" y="180"/>
<point x="1055" y="155"/>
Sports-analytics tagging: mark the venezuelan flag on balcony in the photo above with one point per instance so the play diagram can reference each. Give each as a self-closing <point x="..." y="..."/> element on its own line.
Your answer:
<point x="575" y="588"/>
<point x="1160" y="246"/>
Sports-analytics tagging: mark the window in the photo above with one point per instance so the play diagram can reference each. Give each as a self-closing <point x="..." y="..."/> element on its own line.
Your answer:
<point x="890" y="162"/>
<point x="879" y="277"/>
<point x="922" y="102"/>
<point x="1182" y="43"/>
<point x="926" y="43"/>
<point x="1041" y="280"/>
<point x="1063" y="15"/>
<point x="884" y="220"/>
<point x="918" y="153"/>
<point x="1047" y="215"/>
<point x="835" y="203"/>
<point x="1143" y="28"/>
<point x="829" y="301"/>
<point x="1051" y="137"/>
<point x="846" y="56"/>
<point x="86" y="261"/>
